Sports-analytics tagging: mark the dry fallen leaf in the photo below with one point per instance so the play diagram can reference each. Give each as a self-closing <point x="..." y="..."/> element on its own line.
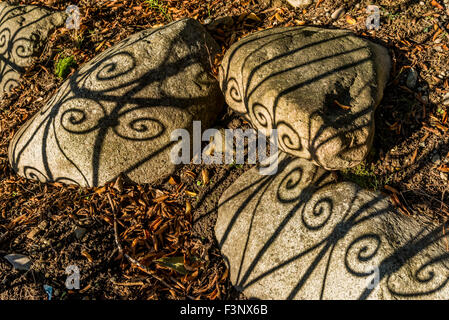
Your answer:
<point x="188" y="207"/>
<point x="172" y="181"/>
<point x="100" y="190"/>
<point x="437" y="5"/>
<point x="190" y="193"/>
<point x="85" y="254"/>
<point x="253" y="17"/>
<point x="118" y="185"/>
<point x="278" y="17"/>
<point x="342" y="105"/>
<point x="205" y="176"/>
<point x="351" y="20"/>
<point x="391" y="189"/>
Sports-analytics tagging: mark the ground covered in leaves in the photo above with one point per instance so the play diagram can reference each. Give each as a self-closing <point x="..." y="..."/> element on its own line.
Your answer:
<point x="156" y="241"/>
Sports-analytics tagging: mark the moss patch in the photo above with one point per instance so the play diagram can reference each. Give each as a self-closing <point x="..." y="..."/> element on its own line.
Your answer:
<point x="64" y="66"/>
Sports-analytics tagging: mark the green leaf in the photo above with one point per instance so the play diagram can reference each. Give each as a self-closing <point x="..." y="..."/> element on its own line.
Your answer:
<point x="174" y="263"/>
<point x="63" y="66"/>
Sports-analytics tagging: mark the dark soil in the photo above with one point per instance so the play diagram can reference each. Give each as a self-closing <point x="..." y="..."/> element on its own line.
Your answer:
<point x="409" y="159"/>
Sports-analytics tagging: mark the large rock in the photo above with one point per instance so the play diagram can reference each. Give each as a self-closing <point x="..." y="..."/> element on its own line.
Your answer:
<point x="115" y="115"/>
<point x="23" y="32"/>
<point x="298" y="235"/>
<point x="290" y="78"/>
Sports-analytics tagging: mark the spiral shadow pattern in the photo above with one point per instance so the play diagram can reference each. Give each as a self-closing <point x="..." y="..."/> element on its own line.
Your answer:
<point x="338" y="235"/>
<point x="23" y="30"/>
<point x="116" y="113"/>
<point x="289" y="79"/>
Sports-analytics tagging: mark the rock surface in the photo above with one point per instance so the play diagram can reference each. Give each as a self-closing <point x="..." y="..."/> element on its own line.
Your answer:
<point x="318" y="87"/>
<point x="23" y="32"/>
<point x="298" y="235"/>
<point x="115" y="115"/>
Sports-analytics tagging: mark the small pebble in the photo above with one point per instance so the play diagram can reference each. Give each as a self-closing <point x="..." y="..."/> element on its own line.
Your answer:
<point x="338" y="13"/>
<point x="444" y="176"/>
<point x="300" y="3"/>
<point x="438" y="48"/>
<point x="80" y="232"/>
<point x="436" y="159"/>
<point x="412" y="78"/>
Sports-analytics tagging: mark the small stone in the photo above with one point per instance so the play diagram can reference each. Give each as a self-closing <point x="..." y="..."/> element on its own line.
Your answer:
<point x="19" y="261"/>
<point x="421" y="3"/>
<point x="438" y="48"/>
<point x="444" y="176"/>
<point x="412" y="78"/>
<point x="446" y="99"/>
<point x="338" y="13"/>
<point x="436" y="159"/>
<point x="80" y="232"/>
<point x="300" y="3"/>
